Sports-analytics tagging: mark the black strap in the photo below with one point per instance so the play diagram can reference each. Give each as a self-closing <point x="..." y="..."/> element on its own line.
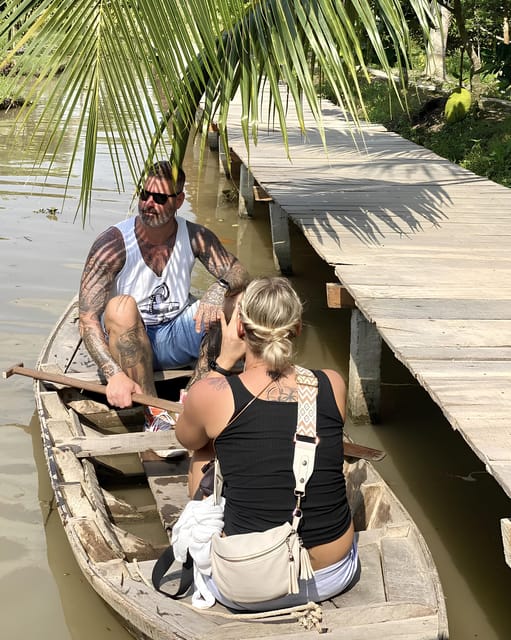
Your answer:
<point x="163" y="564"/>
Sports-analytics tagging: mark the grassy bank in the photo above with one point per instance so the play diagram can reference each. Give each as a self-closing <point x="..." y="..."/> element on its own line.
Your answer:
<point x="481" y="142"/>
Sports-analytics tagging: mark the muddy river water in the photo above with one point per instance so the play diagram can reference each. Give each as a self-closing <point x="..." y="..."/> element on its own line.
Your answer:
<point x="43" y="596"/>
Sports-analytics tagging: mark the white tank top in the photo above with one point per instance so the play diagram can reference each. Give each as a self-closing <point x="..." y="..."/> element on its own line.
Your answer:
<point x="159" y="298"/>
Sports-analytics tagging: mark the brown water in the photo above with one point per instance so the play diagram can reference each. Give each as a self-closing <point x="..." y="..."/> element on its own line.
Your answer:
<point x="43" y="595"/>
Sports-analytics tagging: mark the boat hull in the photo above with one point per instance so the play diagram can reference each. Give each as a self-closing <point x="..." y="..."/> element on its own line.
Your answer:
<point x="93" y="452"/>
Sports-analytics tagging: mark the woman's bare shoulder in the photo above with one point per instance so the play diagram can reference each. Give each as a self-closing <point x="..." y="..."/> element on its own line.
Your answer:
<point x="334" y="376"/>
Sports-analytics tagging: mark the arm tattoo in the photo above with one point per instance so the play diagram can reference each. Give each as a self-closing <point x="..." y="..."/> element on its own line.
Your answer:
<point x="202" y="367"/>
<point x="217" y="260"/>
<point x="106" y="258"/>
<point x="95" y="342"/>
<point x="215" y="295"/>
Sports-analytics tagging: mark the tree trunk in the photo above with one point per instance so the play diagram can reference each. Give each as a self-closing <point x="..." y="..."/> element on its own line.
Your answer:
<point x="437" y="43"/>
<point x="467" y="43"/>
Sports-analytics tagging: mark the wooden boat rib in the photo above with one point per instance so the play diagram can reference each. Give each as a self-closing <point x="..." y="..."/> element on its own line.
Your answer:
<point x="118" y="509"/>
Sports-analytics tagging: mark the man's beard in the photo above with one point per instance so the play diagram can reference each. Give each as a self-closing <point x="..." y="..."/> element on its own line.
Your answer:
<point x="151" y="218"/>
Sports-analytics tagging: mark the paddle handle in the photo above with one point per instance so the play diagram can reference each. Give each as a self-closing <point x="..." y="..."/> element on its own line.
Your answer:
<point x="353" y="450"/>
<point x="48" y="376"/>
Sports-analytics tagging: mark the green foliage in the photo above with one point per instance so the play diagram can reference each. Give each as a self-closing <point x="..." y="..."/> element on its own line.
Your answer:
<point x="452" y="65"/>
<point x="491" y="159"/>
<point x="480" y="143"/>
<point x="457" y="105"/>
<point x="137" y="72"/>
<point x="381" y="104"/>
<point x="498" y="64"/>
<point x="3" y="89"/>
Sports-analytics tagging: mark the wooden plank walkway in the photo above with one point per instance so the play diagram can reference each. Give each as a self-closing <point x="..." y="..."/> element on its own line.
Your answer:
<point x="424" y="248"/>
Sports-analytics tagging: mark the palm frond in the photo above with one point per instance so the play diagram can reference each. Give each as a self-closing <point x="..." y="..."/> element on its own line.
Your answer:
<point x="136" y="71"/>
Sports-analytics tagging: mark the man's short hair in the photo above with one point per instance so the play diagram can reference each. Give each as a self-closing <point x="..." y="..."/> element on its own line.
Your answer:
<point x="163" y="169"/>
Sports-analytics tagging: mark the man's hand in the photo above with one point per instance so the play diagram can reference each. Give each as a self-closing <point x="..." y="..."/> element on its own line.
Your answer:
<point x="210" y="307"/>
<point x="119" y="390"/>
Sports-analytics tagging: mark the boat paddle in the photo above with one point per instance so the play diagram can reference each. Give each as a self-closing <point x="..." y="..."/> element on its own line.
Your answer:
<point x="351" y="449"/>
<point x="95" y="387"/>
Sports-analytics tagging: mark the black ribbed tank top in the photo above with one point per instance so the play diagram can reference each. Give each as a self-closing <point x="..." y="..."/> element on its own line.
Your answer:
<point x="256" y="457"/>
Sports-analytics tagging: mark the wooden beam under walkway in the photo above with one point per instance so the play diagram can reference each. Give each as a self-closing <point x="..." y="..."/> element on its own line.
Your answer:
<point x="423" y="247"/>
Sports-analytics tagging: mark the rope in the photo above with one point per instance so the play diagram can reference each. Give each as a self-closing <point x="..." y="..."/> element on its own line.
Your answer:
<point x="309" y="615"/>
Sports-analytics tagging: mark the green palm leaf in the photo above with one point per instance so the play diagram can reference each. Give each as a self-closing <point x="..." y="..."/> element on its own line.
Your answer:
<point x="137" y="70"/>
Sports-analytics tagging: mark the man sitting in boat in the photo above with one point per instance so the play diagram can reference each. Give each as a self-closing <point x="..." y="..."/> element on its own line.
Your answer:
<point x="136" y="310"/>
<point x="252" y="418"/>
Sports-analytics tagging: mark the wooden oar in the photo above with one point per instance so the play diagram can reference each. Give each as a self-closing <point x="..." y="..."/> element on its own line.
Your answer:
<point x="68" y="381"/>
<point x="351" y="450"/>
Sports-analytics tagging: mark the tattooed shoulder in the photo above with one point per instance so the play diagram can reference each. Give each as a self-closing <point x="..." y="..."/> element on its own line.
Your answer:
<point x="282" y="393"/>
<point x="217" y="383"/>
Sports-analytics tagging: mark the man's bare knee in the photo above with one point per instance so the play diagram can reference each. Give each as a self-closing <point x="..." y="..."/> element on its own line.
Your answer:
<point x="121" y="311"/>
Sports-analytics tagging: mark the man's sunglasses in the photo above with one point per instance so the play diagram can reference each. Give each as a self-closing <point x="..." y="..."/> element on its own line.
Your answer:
<point x="159" y="198"/>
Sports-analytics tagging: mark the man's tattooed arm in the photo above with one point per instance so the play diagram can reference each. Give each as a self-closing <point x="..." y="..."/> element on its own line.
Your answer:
<point x="232" y="277"/>
<point x="105" y="260"/>
<point x="218" y="261"/>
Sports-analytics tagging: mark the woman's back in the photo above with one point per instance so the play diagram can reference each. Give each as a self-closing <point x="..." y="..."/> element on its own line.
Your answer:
<point x="256" y="457"/>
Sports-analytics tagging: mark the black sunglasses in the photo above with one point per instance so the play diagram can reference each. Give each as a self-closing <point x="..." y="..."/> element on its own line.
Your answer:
<point x="159" y="198"/>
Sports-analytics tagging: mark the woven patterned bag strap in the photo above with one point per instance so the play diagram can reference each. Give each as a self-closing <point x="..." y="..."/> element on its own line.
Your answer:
<point x="307" y="392"/>
<point x="305" y="438"/>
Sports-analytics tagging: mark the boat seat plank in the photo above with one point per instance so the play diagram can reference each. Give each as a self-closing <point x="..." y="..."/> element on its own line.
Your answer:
<point x="425" y="628"/>
<point x="92" y="375"/>
<point x="100" y="445"/>
<point x="402" y="574"/>
<point x="168" y="481"/>
<point x="369" y="536"/>
<point x="370" y="588"/>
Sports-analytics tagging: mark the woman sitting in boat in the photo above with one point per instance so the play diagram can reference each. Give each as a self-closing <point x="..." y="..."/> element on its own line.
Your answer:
<point x="255" y="450"/>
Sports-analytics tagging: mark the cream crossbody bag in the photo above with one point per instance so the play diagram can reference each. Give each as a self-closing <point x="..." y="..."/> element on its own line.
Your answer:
<point x="260" y="566"/>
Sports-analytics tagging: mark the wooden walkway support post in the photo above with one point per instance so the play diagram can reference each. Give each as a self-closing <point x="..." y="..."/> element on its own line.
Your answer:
<point x="246" y="196"/>
<point x="280" y="238"/>
<point x="213" y="137"/>
<point x="224" y="165"/>
<point x="505" y="527"/>
<point x="364" y="370"/>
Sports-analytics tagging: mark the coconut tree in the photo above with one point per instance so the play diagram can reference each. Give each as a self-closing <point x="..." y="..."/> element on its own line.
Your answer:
<point x="137" y="70"/>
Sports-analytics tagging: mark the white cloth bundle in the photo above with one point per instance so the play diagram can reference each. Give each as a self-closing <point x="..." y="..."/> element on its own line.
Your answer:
<point x="193" y="531"/>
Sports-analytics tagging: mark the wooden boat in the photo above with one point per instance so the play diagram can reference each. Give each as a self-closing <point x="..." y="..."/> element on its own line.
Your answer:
<point x="118" y="505"/>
